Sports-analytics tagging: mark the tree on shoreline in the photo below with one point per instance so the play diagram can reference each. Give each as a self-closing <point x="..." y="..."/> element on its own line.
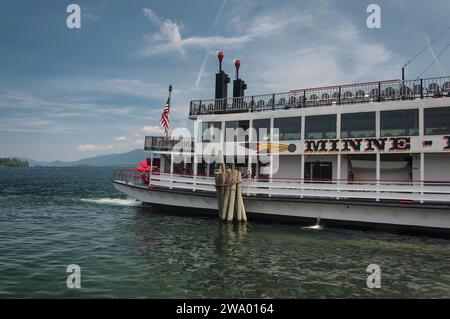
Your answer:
<point x="12" y="162"/>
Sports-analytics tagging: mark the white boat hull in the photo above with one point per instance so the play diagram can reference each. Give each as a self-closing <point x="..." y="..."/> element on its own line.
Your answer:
<point x="334" y="212"/>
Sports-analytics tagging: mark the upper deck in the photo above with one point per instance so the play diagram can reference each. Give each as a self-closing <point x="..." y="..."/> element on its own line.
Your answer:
<point x="371" y="92"/>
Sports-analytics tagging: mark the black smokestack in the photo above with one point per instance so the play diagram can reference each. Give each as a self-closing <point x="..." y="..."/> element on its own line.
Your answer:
<point x="239" y="85"/>
<point x="222" y="80"/>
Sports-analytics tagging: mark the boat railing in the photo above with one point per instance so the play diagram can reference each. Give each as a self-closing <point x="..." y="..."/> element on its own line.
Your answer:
<point x="161" y="143"/>
<point x="392" y="90"/>
<point x="405" y="192"/>
<point x="131" y="176"/>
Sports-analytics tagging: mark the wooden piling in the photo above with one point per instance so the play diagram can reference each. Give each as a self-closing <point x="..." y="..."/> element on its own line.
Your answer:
<point x="232" y="199"/>
<point x="218" y="190"/>
<point x="229" y="194"/>
<point x="227" y="191"/>
<point x="241" y="211"/>
<point x="244" y="215"/>
<point x="221" y="190"/>
<point x="238" y="206"/>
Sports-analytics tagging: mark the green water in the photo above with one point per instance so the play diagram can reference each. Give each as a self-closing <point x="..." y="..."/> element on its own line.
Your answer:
<point x="50" y="218"/>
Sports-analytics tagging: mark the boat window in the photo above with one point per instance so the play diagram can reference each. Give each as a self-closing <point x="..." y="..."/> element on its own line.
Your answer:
<point x="354" y="125"/>
<point x="437" y="121"/>
<point x="320" y="126"/>
<point x="262" y="130"/>
<point x="236" y="131"/>
<point x="400" y="123"/>
<point x="211" y="131"/>
<point x="318" y="171"/>
<point x="289" y="128"/>
<point x="201" y="168"/>
<point x="182" y="168"/>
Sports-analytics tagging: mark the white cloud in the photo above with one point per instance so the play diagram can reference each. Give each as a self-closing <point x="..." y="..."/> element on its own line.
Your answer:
<point x="139" y="142"/>
<point x="284" y="47"/>
<point x="219" y="13"/>
<point x="169" y="30"/>
<point x="63" y="108"/>
<point x="35" y="123"/>
<point x="120" y="139"/>
<point x="94" y="148"/>
<point x="155" y="129"/>
<point x="209" y="42"/>
<point x="130" y="87"/>
<point x="201" y="71"/>
<point x="169" y="38"/>
<point x="315" y="46"/>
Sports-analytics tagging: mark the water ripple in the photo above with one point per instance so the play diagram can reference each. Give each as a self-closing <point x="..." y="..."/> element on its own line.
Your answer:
<point x="50" y="218"/>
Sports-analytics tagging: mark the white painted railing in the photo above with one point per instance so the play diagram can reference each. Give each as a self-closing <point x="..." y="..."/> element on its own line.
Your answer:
<point x="417" y="191"/>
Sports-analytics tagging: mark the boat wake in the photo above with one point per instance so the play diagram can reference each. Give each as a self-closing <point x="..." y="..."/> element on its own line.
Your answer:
<point x="316" y="227"/>
<point x="112" y="201"/>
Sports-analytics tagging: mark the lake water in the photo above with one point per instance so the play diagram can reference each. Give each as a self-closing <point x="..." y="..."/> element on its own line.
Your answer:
<point x="50" y="218"/>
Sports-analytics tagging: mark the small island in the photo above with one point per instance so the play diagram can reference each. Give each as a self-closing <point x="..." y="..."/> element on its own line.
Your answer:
<point x="12" y="162"/>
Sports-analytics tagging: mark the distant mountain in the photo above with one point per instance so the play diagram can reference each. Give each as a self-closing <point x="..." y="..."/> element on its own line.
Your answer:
<point x="128" y="159"/>
<point x="33" y="162"/>
<point x="131" y="158"/>
<point x="124" y="159"/>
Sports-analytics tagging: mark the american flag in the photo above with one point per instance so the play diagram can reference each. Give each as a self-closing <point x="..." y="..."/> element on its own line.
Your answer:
<point x="165" y="117"/>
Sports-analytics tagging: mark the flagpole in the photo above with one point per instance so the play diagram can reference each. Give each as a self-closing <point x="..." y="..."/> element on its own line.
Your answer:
<point x="170" y="94"/>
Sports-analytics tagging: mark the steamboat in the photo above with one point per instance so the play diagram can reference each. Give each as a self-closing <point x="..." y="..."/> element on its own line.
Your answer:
<point x="373" y="155"/>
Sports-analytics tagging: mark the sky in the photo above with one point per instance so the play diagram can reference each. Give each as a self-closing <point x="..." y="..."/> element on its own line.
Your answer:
<point x="67" y="94"/>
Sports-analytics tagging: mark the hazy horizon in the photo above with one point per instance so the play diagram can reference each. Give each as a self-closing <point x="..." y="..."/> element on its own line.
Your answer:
<point x="58" y="160"/>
